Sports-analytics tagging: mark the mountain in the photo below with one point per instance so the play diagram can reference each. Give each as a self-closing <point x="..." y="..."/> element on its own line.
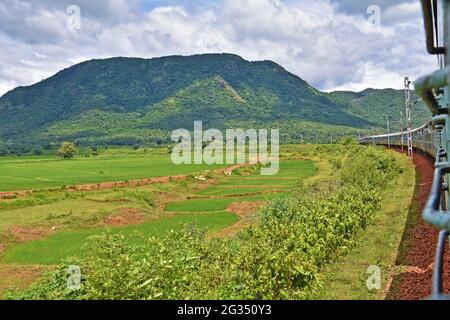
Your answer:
<point x="376" y="105"/>
<point x="125" y="101"/>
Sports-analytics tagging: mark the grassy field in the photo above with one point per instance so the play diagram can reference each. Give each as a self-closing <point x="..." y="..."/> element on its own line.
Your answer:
<point x="69" y="219"/>
<point x="25" y="173"/>
<point x="247" y="188"/>
<point x="52" y="250"/>
<point x="214" y="204"/>
<point x="237" y="190"/>
<point x="74" y="217"/>
<point x="378" y="245"/>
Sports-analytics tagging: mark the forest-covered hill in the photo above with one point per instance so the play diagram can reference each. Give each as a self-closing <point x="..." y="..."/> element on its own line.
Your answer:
<point x="128" y="101"/>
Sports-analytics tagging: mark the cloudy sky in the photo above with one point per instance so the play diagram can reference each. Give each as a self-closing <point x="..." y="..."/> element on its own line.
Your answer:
<point x="333" y="44"/>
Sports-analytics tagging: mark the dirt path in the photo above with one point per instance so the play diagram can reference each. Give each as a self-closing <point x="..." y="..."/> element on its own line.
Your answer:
<point x="418" y="245"/>
<point x="246" y="212"/>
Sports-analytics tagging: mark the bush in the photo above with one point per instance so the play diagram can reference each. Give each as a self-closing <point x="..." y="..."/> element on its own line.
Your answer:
<point x="67" y="150"/>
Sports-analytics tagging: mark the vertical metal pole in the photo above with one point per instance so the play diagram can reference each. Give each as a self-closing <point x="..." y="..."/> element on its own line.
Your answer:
<point x="401" y="129"/>
<point x="373" y="135"/>
<point x="408" y="117"/>
<point x="445" y="97"/>
<point x="446" y="31"/>
<point x="389" y="132"/>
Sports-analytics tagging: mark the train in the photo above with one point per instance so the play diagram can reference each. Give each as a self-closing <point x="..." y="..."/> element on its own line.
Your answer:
<point x="433" y="137"/>
<point x="426" y="139"/>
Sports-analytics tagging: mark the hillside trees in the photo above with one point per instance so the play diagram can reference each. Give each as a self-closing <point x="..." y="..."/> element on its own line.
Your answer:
<point x="106" y="100"/>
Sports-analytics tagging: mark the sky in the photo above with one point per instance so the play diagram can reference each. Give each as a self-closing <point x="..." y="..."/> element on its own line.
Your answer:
<point x="332" y="44"/>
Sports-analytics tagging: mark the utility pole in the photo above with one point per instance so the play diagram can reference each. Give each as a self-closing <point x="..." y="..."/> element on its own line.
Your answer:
<point x="408" y="117"/>
<point x="388" y="130"/>
<point x="401" y="129"/>
<point x="373" y="135"/>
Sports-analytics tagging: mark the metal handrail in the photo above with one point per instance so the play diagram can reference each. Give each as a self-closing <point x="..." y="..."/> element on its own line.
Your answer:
<point x="433" y="212"/>
<point x="438" y="271"/>
<point x="426" y="85"/>
<point x="428" y="15"/>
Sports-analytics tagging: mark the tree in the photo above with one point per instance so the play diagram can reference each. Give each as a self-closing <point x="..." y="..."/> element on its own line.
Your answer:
<point x="67" y="150"/>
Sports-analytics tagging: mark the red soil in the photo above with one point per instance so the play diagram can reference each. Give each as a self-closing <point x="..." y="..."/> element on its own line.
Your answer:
<point x="420" y="241"/>
<point x="18" y="277"/>
<point x="246" y="212"/>
<point x="125" y="217"/>
<point x="27" y="233"/>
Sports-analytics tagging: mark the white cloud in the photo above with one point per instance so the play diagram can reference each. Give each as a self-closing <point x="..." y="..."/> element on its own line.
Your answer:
<point x="316" y="40"/>
<point x="376" y="76"/>
<point x="403" y="12"/>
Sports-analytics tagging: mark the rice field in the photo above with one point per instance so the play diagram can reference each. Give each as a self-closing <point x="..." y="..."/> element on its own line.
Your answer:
<point x="75" y="217"/>
<point x="26" y="173"/>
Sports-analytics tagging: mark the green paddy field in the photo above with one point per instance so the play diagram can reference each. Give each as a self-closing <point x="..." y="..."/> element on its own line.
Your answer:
<point x="64" y="221"/>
